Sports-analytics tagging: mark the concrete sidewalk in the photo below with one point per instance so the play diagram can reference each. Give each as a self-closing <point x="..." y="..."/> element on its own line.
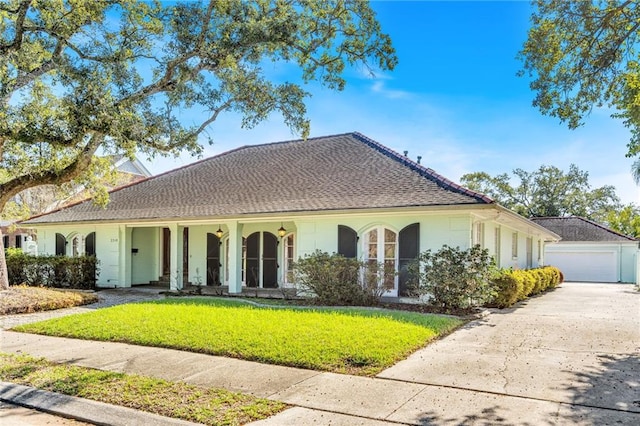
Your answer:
<point x="568" y="357"/>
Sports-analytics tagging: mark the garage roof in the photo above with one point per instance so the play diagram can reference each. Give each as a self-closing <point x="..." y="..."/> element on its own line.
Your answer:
<point x="575" y="228"/>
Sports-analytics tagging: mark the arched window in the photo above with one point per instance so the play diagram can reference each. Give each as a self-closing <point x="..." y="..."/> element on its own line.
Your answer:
<point x="261" y="260"/>
<point x="380" y="248"/>
<point x="77" y="246"/>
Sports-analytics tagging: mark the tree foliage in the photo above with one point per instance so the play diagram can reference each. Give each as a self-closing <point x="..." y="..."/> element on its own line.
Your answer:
<point x="547" y="191"/>
<point x="582" y="54"/>
<point x="625" y="220"/>
<point x="119" y="76"/>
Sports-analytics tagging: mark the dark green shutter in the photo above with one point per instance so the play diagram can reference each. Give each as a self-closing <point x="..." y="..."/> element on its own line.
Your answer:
<point x="347" y="242"/>
<point x="408" y="250"/>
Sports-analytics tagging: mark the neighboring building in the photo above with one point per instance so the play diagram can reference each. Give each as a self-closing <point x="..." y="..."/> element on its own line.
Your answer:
<point x="242" y="217"/>
<point x="44" y="198"/>
<point x="589" y="251"/>
<point x="15" y="237"/>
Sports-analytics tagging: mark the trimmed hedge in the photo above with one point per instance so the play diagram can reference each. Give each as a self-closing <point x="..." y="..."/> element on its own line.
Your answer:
<point x="52" y="271"/>
<point x="515" y="285"/>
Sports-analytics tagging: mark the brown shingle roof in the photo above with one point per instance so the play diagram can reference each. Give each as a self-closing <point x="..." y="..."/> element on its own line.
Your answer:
<point x="575" y="228"/>
<point x="348" y="171"/>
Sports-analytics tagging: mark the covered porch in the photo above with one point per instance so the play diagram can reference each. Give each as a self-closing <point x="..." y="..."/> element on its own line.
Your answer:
<point x="228" y="256"/>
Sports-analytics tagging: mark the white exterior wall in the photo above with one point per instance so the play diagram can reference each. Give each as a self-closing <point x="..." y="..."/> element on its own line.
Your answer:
<point x="198" y="252"/>
<point x="108" y="248"/>
<point x="132" y="254"/>
<point x="145" y="255"/>
<point x="628" y="262"/>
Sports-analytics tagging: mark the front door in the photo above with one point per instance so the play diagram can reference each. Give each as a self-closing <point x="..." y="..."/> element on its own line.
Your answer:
<point x="252" y="266"/>
<point x="269" y="260"/>
<point x="261" y="261"/>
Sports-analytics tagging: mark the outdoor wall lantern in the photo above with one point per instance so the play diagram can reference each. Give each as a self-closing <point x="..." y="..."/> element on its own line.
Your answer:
<point x="281" y="231"/>
<point x="219" y="232"/>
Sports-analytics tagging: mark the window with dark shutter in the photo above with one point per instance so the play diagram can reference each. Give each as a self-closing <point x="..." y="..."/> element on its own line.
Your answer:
<point x="408" y="250"/>
<point x="252" y="263"/>
<point x="347" y="242"/>
<point x="90" y="244"/>
<point x="61" y="245"/>
<point x="213" y="259"/>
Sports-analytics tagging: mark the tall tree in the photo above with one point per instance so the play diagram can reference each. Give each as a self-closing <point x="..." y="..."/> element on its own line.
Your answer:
<point x="547" y="191"/>
<point x="625" y="220"/>
<point x="583" y="54"/>
<point x="114" y="76"/>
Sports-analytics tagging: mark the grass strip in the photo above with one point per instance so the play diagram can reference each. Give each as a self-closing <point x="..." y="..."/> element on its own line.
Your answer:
<point x="24" y="299"/>
<point x="354" y="341"/>
<point x="179" y="400"/>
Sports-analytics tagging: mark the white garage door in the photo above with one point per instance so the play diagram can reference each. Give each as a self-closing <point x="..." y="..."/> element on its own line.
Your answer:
<point x="600" y="266"/>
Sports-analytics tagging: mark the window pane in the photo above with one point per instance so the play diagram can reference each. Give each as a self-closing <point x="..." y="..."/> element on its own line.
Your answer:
<point x="373" y="236"/>
<point x="390" y="251"/>
<point x="389" y="273"/>
<point x="389" y="236"/>
<point x="373" y="251"/>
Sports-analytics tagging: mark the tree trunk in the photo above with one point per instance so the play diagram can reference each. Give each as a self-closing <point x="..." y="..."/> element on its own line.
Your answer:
<point x="4" y="276"/>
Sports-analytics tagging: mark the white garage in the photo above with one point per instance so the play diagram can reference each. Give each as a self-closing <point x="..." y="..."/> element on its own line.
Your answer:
<point x="590" y="252"/>
<point x="587" y="265"/>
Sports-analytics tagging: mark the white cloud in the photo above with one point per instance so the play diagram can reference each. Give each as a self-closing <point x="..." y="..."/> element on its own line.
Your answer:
<point x="380" y="88"/>
<point x="453" y="136"/>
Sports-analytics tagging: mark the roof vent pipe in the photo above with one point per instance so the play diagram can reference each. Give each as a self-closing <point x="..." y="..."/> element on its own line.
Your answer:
<point x="419" y="158"/>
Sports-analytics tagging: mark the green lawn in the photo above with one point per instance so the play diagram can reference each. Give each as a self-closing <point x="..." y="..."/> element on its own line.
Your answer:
<point x="180" y="400"/>
<point x="351" y="340"/>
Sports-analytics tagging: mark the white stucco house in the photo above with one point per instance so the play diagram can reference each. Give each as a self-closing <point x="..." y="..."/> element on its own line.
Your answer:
<point x="239" y="219"/>
<point x="589" y="251"/>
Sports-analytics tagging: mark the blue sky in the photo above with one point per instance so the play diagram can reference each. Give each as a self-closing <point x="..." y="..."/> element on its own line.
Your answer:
<point x="454" y="99"/>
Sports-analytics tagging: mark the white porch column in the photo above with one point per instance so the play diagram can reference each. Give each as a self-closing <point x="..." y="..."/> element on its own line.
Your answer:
<point x="175" y="274"/>
<point x="235" y="257"/>
<point x="124" y="274"/>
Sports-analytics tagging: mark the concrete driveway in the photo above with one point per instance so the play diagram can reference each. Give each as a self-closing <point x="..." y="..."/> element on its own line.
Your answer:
<point x="578" y="346"/>
<point x="568" y="357"/>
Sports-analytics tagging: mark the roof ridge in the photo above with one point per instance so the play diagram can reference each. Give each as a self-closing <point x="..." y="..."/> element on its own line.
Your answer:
<point x="421" y="170"/>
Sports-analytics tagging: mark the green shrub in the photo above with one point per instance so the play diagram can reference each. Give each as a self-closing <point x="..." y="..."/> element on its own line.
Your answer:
<point x="508" y="288"/>
<point x="52" y="271"/>
<point x="522" y="288"/>
<point x="454" y="279"/>
<point x="555" y="274"/>
<point x="541" y="280"/>
<point x="515" y="285"/>
<point x="331" y="279"/>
